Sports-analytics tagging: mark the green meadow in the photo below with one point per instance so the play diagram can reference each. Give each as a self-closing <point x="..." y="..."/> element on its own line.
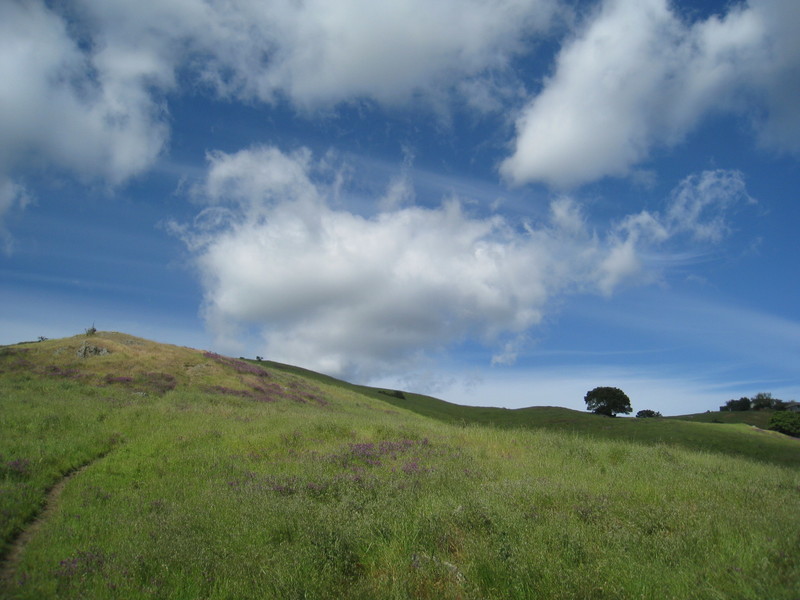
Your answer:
<point x="130" y="469"/>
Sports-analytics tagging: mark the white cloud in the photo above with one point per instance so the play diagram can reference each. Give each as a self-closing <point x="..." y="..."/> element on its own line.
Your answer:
<point x="775" y="75"/>
<point x="592" y="117"/>
<point x="12" y="196"/>
<point x="338" y="291"/>
<point x="84" y="111"/>
<point x="700" y="202"/>
<point x="358" y="296"/>
<point x="85" y="84"/>
<point x="320" y="52"/>
<point x="637" y="77"/>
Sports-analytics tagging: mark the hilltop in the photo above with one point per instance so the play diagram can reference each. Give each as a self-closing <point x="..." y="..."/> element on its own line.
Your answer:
<point x="136" y="469"/>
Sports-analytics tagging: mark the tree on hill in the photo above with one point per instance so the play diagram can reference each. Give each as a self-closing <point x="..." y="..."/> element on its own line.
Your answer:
<point x="778" y="404"/>
<point x="742" y="403"/>
<point x="647" y="414"/>
<point x="607" y="401"/>
<point x="761" y="401"/>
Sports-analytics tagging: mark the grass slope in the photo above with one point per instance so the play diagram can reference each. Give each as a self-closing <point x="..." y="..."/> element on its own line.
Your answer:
<point x="208" y="477"/>
<point x="729" y="433"/>
<point x="756" y="418"/>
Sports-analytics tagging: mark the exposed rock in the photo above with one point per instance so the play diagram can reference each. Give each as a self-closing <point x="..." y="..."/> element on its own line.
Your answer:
<point x="86" y="350"/>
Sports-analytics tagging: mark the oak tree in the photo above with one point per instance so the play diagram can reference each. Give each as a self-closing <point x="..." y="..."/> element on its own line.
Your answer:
<point x="607" y="401"/>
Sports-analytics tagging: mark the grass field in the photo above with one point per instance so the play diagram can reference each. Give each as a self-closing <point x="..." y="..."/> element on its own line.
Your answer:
<point x="208" y="477"/>
<point x="756" y="418"/>
<point x="733" y="433"/>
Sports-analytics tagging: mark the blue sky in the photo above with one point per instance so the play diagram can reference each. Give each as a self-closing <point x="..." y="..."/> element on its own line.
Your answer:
<point x="503" y="202"/>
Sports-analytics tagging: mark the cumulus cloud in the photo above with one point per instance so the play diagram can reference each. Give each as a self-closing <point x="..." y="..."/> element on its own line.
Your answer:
<point x="320" y="52"/>
<point x="342" y="292"/>
<point x="637" y="76"/>
<point x="86" y="111"/>
<point x="360" y="297"/>
<point x="86" y="83"/>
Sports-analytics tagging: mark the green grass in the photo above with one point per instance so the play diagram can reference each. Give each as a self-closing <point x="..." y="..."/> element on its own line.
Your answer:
<point x="756" y="418"/>
<point x="734" y="438"/>
<point x="724" y="432"/>
<point x="295" y="485"/>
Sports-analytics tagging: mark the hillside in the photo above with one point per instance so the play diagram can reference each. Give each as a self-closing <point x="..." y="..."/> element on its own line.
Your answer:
<point x="724" y="432"/>
<point x="756" y="418"/>
<point x="131" y="469"/>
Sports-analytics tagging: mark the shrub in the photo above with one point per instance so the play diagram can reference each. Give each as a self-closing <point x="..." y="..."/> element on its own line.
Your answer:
<point x="647" y="414"/>
<point x="786" y="422"/>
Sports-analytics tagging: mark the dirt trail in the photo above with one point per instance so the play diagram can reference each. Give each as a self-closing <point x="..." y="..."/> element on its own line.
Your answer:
<point x="11" y="560"/>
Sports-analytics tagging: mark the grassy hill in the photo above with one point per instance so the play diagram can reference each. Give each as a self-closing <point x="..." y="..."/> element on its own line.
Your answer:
<point x="130" y="469"/>
<point x="756" y="418"/>
<point x="730" y="433"/>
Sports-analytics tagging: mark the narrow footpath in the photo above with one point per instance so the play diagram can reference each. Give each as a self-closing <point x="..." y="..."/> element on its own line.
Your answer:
<point x="12" y="558"/>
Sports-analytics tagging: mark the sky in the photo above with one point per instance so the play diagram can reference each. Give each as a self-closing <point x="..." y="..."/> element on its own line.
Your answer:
<point x="496" y="202"/>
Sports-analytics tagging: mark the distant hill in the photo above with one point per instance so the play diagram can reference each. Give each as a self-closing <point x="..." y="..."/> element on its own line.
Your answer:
<point x="756" y="418"/>
<point x="132" y="469"/>
<point x="699" y="432"/>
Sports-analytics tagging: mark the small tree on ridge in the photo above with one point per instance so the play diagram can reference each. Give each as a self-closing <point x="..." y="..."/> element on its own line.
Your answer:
<point x="607" y="401"/>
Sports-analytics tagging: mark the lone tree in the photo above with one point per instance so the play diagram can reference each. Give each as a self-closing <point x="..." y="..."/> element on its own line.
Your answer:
<point x="607" y="401"/>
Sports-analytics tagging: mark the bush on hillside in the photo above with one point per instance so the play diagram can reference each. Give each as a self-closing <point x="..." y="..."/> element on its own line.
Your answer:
<point x="647" y="414"/>
<point x="786" y="422"/>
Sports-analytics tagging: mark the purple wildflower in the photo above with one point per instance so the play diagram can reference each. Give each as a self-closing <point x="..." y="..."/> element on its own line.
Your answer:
<point x="121" y="379"/>
<point x="19" y="466"/>
<point x="239" y="366"/>
<point x="412" y="468"/>
<point x="85" y="562"/>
